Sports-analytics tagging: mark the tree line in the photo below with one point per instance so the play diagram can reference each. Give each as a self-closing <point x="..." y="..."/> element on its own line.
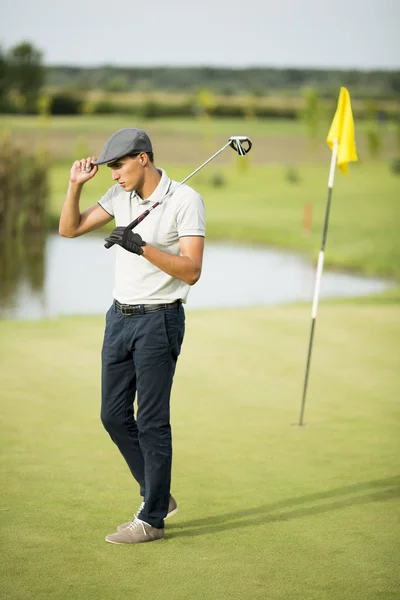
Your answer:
<point x="226" y="81"/>
<point x="27" y="85"/>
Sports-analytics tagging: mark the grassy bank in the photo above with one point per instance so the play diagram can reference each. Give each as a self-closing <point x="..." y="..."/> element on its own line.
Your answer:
<point x="267" y="510"/>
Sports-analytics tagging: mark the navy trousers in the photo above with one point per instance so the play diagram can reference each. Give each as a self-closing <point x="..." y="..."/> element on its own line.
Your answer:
<point x="139" y="356"/>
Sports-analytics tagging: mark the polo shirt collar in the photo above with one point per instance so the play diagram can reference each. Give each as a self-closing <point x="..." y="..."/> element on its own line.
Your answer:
<point x="161" y="190"/>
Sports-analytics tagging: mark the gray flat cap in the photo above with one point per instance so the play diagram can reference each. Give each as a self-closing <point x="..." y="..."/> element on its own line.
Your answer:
<point x="123" y="142"/>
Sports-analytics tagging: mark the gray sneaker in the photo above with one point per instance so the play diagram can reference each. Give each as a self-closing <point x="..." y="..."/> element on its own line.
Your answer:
<point x="172" y="510"/>
<point x="137" y="532"/>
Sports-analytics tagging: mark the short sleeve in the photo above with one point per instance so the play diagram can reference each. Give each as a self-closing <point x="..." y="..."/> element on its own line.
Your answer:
<point x="191" y="218"/>
<point x="107" y="201"/>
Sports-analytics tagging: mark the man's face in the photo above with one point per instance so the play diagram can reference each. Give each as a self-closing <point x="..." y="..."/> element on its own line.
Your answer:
<point x="128" y="172"/>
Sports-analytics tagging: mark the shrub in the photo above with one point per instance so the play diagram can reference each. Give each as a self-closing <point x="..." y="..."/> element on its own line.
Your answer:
<point x="217" y="180"/>
<point x="292" y="175"/>
<point x="395" y="166"/>
<point x="66" y="104"/>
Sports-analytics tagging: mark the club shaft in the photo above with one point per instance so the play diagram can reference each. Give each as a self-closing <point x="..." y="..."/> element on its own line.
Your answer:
<point x="205" y="163"/>
<point x="144" y="214"/>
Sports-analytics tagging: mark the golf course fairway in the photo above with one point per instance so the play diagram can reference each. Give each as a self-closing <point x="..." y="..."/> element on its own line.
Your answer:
<point x="267" y="510"/>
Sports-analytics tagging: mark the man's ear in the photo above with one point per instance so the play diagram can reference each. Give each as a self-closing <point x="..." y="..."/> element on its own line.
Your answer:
<point x="143" y="159"/>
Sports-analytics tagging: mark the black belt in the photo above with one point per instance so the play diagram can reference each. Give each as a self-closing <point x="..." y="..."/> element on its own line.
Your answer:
<point x="140" y="309"/>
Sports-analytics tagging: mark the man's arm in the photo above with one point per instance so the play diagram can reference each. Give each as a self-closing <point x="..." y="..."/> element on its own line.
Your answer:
<point x="186" y="267"/>
<point x="72" y="222"/>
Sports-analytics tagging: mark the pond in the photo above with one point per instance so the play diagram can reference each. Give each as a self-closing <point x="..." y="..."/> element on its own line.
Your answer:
<point x="76" y="277"/>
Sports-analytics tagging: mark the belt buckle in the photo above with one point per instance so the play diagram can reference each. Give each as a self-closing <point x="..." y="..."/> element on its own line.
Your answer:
<point x="126" y="310"/>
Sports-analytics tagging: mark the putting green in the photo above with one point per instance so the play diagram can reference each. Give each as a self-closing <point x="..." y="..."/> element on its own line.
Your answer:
<point x="266" y="510"/>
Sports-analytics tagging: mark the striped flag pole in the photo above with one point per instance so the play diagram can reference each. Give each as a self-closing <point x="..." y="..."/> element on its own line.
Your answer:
<point x="318" y="277"/>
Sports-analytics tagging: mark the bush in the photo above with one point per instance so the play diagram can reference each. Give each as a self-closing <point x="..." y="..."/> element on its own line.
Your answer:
<point x="66" y="104"/>
<point x="106" y="107"/>
<point x="153" y="109"/>
<point x="374" y="141"/>
<point x="217" y="180"/>
<point x="292" y="175"/>
<point x="259" y="111"/>
<point x="149" y="109"/>
<point x="395" y="166"/>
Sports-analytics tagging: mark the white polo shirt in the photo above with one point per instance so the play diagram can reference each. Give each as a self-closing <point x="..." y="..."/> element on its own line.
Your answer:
<point x="137" y="281"/>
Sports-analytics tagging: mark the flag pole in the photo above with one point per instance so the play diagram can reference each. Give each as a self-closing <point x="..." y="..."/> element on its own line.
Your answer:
<point x="317" y="286"/>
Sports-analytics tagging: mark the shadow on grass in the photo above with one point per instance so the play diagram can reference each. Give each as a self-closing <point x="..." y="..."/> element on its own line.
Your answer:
<point x="320" y="502"/>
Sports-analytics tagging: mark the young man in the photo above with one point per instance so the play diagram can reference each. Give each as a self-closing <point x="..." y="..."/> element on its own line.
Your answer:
<point x="155" y="265"/>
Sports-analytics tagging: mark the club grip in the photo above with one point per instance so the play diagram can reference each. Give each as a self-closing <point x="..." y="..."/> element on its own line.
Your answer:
<point x="130" y="226"/>
<point x="136" y="221"/>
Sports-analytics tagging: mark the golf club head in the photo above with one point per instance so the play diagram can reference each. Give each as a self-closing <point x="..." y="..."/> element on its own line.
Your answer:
<point x="241" y="144"/>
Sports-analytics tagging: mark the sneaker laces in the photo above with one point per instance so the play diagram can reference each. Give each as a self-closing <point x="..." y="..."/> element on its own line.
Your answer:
<point x="139" y="510"/>
<point x="137" y="523"/>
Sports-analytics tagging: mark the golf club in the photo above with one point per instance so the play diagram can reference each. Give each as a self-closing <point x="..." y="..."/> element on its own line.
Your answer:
<point x="239" y="143"/>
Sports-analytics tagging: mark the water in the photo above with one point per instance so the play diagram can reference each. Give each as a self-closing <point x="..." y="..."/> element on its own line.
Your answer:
<point x="77" y="278"/>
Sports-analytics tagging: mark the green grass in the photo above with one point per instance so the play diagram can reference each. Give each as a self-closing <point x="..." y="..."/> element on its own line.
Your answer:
<point x="267" y="510"/>
<point x="192" y="126"/>
<point x="187" y="140"/>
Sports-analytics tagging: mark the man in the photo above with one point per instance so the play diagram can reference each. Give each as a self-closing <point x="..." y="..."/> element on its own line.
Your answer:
<point x="155" y="265"/>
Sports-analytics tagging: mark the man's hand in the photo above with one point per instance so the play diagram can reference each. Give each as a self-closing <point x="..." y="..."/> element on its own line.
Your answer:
<point x="83" y="170"/>
<point x="127" y="239"/>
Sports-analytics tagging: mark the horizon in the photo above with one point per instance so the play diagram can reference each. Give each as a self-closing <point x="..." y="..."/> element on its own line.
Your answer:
<point x="220" y="67"/>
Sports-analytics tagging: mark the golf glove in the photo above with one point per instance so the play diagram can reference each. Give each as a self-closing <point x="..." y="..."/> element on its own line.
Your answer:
<point x="127" y="239"/>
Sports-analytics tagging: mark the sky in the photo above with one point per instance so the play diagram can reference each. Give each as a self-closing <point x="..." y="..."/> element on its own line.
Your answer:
<point x="281" y="33"/>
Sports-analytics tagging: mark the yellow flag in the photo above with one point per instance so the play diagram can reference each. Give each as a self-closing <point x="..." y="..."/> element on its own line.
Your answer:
<point x="342" y="129"/>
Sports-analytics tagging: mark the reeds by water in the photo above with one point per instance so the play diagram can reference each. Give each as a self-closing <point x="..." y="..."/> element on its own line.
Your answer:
<point x="24" y="193"/>
<point x="24" y="190"/>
